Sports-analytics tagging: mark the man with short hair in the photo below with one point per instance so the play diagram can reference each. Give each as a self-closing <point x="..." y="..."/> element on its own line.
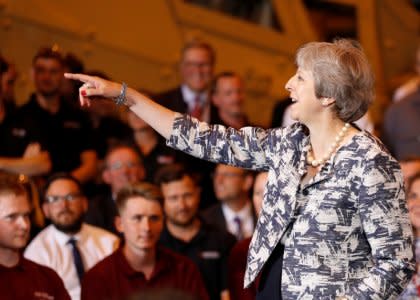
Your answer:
<point x="21" y="278"/>
<point x="140" y="265"/>
<point x="196" y="70"/>
<point x="234" y="211"/>
<point x="228" y="96"/>
<point x="21" y="150"/>
<point x="123" y="166"/>
<point x="66" y="128"/>
<point x="186" y="233"/>
<point x="68" y="245"/>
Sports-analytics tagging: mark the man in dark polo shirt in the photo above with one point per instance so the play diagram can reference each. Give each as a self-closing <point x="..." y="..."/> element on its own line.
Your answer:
<point x="20" y="146"/>
<point x="189" y="235"/>
<point x="140" y="265"/>
<point x="20" y="278"/>
<point x="67" y="129"/>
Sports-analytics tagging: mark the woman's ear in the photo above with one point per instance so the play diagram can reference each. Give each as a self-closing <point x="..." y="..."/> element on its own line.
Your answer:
<point x="326" y="101"/>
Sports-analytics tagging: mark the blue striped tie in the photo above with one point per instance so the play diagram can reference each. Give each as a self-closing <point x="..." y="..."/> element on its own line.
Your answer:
<point x="77" y="257"/>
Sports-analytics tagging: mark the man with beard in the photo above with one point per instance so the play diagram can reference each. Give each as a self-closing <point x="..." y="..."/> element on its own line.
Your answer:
<point x="186" y="233"/>
<point x="66" y="128"/>
<point x="68" y="245"/>
<point x="20" y="278"/>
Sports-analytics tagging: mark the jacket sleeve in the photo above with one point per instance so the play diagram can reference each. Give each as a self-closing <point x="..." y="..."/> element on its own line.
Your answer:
<point x="245" y="148"/>
<point x="387" y="227"/>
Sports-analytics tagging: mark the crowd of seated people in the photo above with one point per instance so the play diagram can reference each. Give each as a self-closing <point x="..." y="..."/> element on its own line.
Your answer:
<point x="122" y="214"/>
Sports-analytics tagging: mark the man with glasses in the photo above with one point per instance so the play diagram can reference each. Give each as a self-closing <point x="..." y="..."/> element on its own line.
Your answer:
<point x="68" y="245"/>
<point x="234" y="211"/>
<point x="123" y="167"/>
<point x="196" y="71"/>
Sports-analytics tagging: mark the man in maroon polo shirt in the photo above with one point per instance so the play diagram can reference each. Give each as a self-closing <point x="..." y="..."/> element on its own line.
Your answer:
<point x="21" y="278"/>
<point x="140" y="265"/>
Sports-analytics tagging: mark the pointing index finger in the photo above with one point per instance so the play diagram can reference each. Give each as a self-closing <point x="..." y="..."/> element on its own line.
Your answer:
<point x="80" y="77"/>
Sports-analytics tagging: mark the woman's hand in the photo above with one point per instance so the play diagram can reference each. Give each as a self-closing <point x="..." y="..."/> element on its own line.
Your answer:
<point x="94" y="86"/>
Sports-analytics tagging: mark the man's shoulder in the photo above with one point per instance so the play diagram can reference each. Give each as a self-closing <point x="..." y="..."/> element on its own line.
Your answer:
<point x="38" y="270"/>
<point x="176" y="261"/>
<point x="217" y="235"/>
<point x="46" y="235"/>
<point x="105" y="267"/>
<point x="212" y="210"/>
<point x="92" y="231"/>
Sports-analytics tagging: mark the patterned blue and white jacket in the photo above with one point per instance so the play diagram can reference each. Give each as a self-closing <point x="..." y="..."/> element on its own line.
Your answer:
<point x="350" y="237"/>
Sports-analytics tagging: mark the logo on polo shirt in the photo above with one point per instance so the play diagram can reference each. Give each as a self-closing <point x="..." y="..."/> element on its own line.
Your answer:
<point x="19" y="132"/>
<point x="210" y="254"/>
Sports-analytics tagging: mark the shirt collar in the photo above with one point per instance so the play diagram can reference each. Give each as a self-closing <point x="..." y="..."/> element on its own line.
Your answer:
<point x="160" y="265"/>
<point x="63" y="238"/>
<point x="189" y="96"/>
<point x="243" y="214"/>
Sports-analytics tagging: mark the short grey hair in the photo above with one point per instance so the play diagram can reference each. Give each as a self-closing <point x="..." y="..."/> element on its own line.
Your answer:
<point x="341" y="71"/>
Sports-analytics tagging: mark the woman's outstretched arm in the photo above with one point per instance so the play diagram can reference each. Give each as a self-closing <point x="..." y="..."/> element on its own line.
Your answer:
<point x="159" y="117"/>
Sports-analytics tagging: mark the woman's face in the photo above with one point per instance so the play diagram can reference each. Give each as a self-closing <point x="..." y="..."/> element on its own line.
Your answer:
<point x="302" y="92"/>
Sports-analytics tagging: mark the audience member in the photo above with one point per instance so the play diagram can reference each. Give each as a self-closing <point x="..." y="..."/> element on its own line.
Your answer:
<point x="412" y="291"/>
<point x="228" y="96"/>
<point x="401" y="131"/>
<point x="21" y="139"/>
<point x="234" y="211"/>
<point x="20" y="278"/>
<point x="186" y="233"/>
<point x="68" y="245"/>
<point x="150" y="145"/>
<point x="196" y="71"/>
<point x="67" y="128"/>
<point x="140" y="265"/>
<point x="122" y="167"/>
<point x="238" y="255"/>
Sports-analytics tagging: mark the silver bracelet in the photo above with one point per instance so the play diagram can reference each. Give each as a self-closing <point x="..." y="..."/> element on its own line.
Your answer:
<point x="121" y="97"/>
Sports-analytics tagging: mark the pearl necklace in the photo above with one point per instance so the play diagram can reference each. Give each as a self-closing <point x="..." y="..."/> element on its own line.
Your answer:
<point x="337" y="140"/>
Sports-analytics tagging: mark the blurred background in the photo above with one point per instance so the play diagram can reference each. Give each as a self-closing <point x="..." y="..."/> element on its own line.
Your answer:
<point x="138" y="41"/>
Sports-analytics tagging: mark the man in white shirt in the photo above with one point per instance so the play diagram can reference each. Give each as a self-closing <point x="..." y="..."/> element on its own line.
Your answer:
<point x="234" y="211"/>
<point x="68" y="245"/>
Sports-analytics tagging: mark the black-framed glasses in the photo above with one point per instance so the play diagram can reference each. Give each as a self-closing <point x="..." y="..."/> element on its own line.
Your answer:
<point x="57" y="198"/>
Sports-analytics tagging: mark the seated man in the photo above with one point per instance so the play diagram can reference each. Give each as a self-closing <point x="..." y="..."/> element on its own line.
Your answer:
<point x="123" y="167"/>
<point x="21" y="147"/>
<point x="140" y="265"/>
<point x="186" y="233"/>
<point x="234" y="211"/>
<point x="68" y="245"/>
<point x="21" y="278"/>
